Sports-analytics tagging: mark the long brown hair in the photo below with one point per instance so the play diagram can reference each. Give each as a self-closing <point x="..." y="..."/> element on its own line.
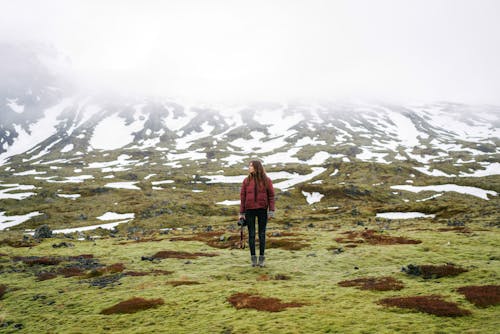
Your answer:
<point x="259" y="176"/>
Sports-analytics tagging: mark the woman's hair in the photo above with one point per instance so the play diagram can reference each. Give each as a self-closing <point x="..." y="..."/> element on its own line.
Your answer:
<point x="259" y="174"/>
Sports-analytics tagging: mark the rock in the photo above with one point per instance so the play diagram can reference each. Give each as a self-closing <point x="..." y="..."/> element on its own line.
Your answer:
<point x="63" y="244"/>
<point x="38" y="296"/>
<point x="209" y="228"/>
<point x="19" y="326"/>
<point x="276" y="234"/>
<point x="356" y="268"/>
<point x="104" y="281"/>
<point x="456" y="223"/>
<point x="311" y="225"/>
<point x="43" y="232"/>
<point x="412" y="270"/>
<point x="311" y="255"/>
<point x="338" y="250"/>
<point x="359" y="223"/>
<point x="6" y="324"/>
<point x="147" y="258"/>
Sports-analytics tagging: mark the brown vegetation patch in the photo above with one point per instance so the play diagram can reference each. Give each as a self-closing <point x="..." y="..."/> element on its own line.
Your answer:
<point x="177" y="283"/>
<point x="18" y="243"/>
<point x="428" y="304"/>
<point x="180" y="255"/>
<point x="281" y="277"/>
<point x="80" y="257"/>
<point x="133" y="305"/>
<point x="374" y="283"/>
<point x="245" y="300"/>
<point x="432" y="271"/>
<point x="282" y="234"/>
<point x="203" y="236"/>
<point x="155" y="272"/>
<point x="458" y="229"/>
<point x="3" y="289"/>
<point x="41" y="260"/>
<point x="45" y="275"/>
<point x="277" y="277"/>
<point x="218" y="239"/>
<point x="71" y="271"/>
<point x="111" y="269"/>
<point x="115" y="268"/>
<point x="230" y="242"/>
<point x="136" y="273"/>
<point x="2" y="254"/>
<point x="374" y="238"/>
<point x="140" y="240"/>
<point x="351" y="246"/>
<point x="481" y="296"/>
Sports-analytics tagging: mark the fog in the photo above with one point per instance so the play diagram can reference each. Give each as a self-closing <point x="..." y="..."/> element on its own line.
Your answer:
<point x="418" y="50"/>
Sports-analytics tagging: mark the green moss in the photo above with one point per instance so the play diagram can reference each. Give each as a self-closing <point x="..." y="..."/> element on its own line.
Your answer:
<point x="71" y="304"/>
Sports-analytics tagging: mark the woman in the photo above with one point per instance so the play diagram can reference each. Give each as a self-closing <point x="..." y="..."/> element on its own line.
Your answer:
<point x="257" y="201"/>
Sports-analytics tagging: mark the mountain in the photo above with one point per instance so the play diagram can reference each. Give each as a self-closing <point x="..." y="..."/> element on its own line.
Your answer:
<point x="301" y="133"/>
<point x="69" y="160"/>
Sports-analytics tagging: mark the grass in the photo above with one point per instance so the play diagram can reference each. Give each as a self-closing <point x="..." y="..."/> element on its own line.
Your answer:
<point x="309" y="276"/>
<point x="312" y="250"/>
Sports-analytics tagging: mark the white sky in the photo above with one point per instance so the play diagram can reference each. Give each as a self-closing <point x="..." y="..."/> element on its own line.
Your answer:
<point x="396" y="49"/>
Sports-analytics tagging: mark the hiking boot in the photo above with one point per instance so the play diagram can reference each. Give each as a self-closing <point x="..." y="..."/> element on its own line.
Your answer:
<point x="262" y="258"/>
<point x="254" y="260"/>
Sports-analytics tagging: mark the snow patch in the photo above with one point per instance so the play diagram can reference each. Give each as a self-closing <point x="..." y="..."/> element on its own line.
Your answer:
<point x="116" y="216"/>
<point x="477" y="192"/>
<point x="313" y="197"/>
<point x="18" y="108"/>
<point x="403" y="215"/>
<point x="9" y="221"/>
<point x="123" y="185"/>
<point x="4" y="193"/>
<point x="67" y="148"/>
<point x="38" y="132"/>
<point x="113" y="132"/>
<point x="29" y="172"/>
<point x="228" y="202"/>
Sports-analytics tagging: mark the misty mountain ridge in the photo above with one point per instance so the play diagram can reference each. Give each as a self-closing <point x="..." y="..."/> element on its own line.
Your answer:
<point x="69" y="158"/>
<point x="306" y="133"/>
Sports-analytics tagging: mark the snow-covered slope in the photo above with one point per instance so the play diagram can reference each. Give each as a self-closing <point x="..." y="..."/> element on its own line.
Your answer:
<point x="279" y="133"/>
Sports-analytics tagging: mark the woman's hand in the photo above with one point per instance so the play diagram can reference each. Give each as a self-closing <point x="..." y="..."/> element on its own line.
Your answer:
<point x="270" y="214"/>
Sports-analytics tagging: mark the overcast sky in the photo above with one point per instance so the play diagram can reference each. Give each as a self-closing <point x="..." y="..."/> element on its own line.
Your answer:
<point x="396" y="49"/>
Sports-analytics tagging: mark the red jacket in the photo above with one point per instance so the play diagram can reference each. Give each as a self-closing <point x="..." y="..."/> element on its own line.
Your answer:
<point x="263" y="200"/>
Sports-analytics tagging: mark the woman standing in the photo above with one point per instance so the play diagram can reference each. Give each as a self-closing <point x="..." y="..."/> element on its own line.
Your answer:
<point x="257" y="201"/>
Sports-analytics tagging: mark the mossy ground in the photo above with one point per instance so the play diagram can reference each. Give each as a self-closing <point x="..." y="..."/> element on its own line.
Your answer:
<point x="306" y="260"/>
<point x="72" y="305"/>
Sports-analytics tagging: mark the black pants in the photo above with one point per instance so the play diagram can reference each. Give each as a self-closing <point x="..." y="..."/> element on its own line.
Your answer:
<point x="261" y="215"/>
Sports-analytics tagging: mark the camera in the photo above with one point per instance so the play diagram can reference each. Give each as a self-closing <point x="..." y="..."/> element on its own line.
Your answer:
<point x="242" y="222"/>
